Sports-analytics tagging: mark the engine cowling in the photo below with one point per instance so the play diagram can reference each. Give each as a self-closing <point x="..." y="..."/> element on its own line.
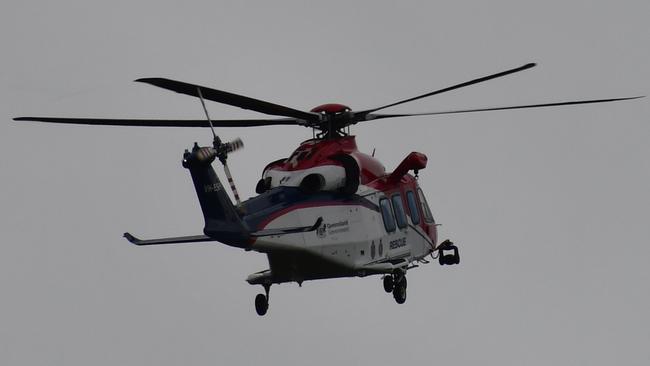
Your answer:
<point x="323" y="165"/>
<point x="337" y="173"/>
<point x="328" y="177"/>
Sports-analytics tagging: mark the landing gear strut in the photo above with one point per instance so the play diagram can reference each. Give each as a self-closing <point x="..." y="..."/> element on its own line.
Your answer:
<point x="262" y="301"/>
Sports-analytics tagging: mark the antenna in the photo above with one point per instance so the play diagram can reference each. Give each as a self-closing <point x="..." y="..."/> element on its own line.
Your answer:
<point x="205" y="109"/>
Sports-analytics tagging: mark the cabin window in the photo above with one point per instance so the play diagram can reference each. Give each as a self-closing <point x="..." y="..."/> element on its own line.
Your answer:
<point x="413" y="207"/>
<point x="398" y="206"/>
<point x="428" y="217"/>
<point x="387" y="214"/>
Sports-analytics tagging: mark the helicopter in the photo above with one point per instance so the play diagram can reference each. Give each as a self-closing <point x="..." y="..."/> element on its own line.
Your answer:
<point x="326" y="211"/>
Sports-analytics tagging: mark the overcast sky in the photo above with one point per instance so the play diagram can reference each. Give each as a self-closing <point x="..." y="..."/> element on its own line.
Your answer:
<point x="549" y="207"/>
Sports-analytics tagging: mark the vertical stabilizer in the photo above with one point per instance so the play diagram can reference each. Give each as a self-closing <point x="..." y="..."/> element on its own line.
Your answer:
<point x="222" y="222"/>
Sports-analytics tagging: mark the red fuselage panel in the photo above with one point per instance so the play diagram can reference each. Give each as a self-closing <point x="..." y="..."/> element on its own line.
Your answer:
<point x="314" y="153"/>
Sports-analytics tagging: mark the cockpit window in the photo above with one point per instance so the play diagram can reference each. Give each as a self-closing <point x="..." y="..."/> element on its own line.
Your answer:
<point x="428" y="217"/>
<point x="387" y="214"/>
<point x="398" y="206"/>
<point x="413" y="207"/>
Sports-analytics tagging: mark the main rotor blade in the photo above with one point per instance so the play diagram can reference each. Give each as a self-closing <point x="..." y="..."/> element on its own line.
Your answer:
<point x="381" y="116"/>
<point x="230" y="99"/>
<point x="362" y="114"/>
<point x="165" y="122"/>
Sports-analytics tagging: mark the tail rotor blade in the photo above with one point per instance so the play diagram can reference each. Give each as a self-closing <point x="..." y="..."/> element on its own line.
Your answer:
<point x="234" y="145"/>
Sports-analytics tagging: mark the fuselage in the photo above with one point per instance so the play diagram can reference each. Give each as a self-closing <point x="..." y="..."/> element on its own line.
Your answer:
<point x="385" y="222"/>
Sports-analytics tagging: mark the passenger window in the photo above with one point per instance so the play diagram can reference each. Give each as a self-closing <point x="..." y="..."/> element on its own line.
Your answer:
<point x="398" y="206"/>
<point x="387" y="214"/>
<point x="413" y="207"/>
<point x="428" y="217"/>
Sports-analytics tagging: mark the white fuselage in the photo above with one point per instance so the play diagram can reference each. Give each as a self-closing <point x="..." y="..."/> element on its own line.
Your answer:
<point x="352" y="236"/>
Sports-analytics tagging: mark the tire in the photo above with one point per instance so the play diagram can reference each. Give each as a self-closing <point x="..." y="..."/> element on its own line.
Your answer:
<point x="261" y="304"/>
<point x="399" y="292"/>
<point x="389" y="284"/>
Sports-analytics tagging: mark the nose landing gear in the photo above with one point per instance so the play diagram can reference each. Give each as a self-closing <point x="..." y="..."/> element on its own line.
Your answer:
<point x="396" y="283"/>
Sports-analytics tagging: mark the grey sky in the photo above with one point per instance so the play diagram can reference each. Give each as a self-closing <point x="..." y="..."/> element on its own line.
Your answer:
<point x="549" y="207"/>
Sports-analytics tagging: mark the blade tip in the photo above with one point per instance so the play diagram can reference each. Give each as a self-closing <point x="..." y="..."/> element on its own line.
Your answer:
<point x="131" y="238"/>
<point x="33" y="119"/>
<point x="149" y="80"/>
<point x="632" y="98"/>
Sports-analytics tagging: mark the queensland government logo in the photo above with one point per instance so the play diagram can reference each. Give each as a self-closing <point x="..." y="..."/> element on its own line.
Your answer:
<point x="333" y="228"/>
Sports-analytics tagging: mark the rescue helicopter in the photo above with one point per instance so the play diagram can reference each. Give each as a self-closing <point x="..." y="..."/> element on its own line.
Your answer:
<point x="326" y="211"/>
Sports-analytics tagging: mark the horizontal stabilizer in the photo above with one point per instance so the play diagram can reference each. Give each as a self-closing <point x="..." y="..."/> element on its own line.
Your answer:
<point x="288" y="230"/>
<point x="202" y="238"/>
<point x="174" y="240"/>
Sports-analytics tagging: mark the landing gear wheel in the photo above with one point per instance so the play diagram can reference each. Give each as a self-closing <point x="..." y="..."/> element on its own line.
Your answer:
<point x="261" y="304"/>
<point x="399" y="292"/>
<point x="389" y="284"/>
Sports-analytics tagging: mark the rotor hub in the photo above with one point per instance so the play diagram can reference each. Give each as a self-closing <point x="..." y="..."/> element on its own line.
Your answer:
<point x="331" y="108"/>
<point x="334" y="118"/>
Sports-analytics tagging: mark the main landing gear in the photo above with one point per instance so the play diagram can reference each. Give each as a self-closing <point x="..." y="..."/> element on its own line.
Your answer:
<point x="262" y="301"/>
<point x="396" y="283"/>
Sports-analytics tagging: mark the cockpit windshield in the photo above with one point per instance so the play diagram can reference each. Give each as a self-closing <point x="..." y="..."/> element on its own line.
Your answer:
<point x="428" y="217"/>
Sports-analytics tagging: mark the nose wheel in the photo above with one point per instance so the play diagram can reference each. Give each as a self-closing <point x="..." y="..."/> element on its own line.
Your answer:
<point x="262" y="301"/>
<point x="389" y="283"/>
<point x="396" y="284"/>
<point x="399" y="292"/>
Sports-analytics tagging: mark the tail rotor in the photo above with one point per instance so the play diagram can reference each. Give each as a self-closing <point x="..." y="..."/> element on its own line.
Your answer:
<point x="222" y="149"/>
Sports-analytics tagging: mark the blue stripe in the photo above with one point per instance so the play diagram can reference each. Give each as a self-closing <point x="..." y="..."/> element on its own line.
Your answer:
<point x="255" y="210"/>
